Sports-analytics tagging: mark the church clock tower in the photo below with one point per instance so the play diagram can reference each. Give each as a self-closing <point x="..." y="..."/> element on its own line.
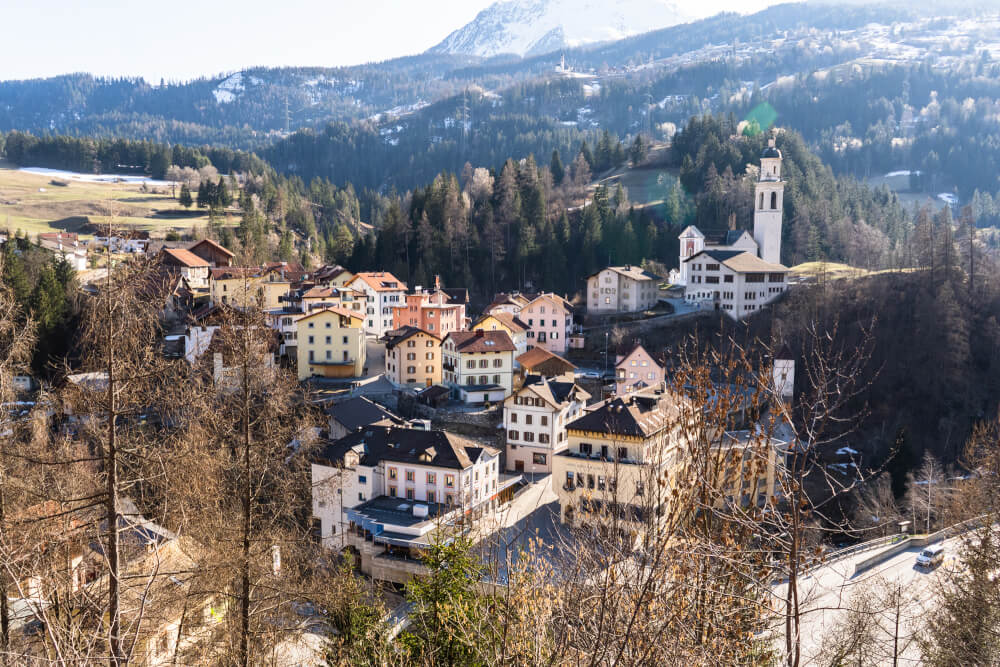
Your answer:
<point x="768" y="205"/>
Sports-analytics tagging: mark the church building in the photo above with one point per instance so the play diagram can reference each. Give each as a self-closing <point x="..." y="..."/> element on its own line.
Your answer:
<point x="738" y="274"/>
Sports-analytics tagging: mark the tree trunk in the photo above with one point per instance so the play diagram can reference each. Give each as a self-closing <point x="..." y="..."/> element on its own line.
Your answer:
<point x="111" y="511"/>
<point x="247" y="524"/>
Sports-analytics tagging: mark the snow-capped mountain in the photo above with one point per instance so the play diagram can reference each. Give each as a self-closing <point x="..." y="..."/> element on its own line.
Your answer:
<point x="532" y="27"/>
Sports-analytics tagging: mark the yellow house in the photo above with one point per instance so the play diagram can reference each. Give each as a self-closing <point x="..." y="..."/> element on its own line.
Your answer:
<point x="331" y="343"/>
<point x="502" y="321"/>
<point x="413" y="357"/>
<point x="235" y="286"/>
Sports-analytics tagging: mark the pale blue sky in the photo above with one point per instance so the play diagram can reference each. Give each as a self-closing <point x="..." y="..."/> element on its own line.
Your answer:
<point x="183" y="39"/>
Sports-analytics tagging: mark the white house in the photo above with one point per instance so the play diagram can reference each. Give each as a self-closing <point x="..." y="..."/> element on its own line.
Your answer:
<point x="385" y="292"/>
<point x="535" y="419"/>
<point x="694" y="241"/>
<point x="479" y="364"/>
<point x="622" y="289"/>
<point x="738" y="283"/>
<point x="385" y="490"/>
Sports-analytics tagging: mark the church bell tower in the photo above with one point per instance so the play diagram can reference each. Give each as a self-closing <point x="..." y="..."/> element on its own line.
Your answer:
<point x="768" y="205"/>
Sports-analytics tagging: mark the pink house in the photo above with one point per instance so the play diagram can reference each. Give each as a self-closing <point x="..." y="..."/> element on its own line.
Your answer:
<point x="431" y="312"/>
<point x="636" y="370"/>
<point x="550" y="322"/>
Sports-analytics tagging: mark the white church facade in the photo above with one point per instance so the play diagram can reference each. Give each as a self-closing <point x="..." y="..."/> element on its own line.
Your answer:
<point x="738" y="273"/>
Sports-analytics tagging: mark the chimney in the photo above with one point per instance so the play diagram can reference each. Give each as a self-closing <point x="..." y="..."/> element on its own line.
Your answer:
<point x="770" y="142"/>
<point x="437" y="282"/>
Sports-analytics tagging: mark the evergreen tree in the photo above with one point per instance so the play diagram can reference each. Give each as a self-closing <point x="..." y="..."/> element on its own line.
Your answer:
<point x="185" y="197"/>
<point x="286" y="248"/>
<point x="556" y="167"/>
<point x="202" y="195"/>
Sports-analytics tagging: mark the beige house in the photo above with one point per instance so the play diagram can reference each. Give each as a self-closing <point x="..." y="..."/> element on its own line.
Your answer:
<point x="637" y="370"/>
<point x="535" y="419"/>
<point x="413" y="357"/>
<point x="235" y="286"/>
<point x="330" y="343"/>
<point x="622" y="289"/>
<point x="340" y="297"/>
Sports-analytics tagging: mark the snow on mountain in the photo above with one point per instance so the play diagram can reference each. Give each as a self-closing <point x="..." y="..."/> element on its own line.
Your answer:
<point x="531" y="27"/>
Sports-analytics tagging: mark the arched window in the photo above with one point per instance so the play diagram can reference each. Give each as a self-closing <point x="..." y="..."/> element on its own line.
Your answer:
<point x="774" y="200"/>
<point x="762" y="201"/>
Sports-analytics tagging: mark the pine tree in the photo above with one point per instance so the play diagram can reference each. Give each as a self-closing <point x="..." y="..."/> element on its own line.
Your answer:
<point x="557" y="169"/>
<point x="185" y="197"/>
<point x="202" y="195"/>
<point x="286" y="249"/>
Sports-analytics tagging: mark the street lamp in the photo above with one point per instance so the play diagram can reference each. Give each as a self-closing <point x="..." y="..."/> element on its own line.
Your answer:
<point x="605" y="353"/>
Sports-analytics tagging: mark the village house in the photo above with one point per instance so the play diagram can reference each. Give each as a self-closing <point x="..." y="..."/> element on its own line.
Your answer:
<point x="385" y="491"/>
<point x="65" y="246"/>
<point x="235" y="286"/>
<point x="216" y="255"/>
<point x="735" y="282"/>
<point x="190" y="266"/>
<point x="535" y="419"/>
<point x="385" y="292"/>
<point x="622" y="289"/>
<point x="330" y="343"/>
<point x="510" y="324"/>
<point x="430" y="311"/>
<point x="355" y="413"/>
<point x="412" y="357"/>
<point x="479" y="364"/>
<point x="637" y="370"/>
<point x="539" y="361"/>
<point x="617" y="451"/>
<point x="331" y="276"/>
<point x="550" y="322"/>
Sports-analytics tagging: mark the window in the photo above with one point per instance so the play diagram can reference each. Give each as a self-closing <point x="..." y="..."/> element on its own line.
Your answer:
<point x="471" y="380"/>
<point x="512" y="435"/>
<point x="570" y="482"/>
<point x="600" y="483"/>
<point x="529" y="436"/>
<point x="513" y="418"/>
<point x="727" y="279"/>
<point x="543" y="438"/>
<point x="527" y="419"/>
<point x="471" y="363"/>
<point x="329" y="355"/>
<point x="496" y="379"/>
<point x="774" y="200"/>
<point x="311" y="355"/>
<point x="310" y="340"/>
<point x="449" y="499"/>
<point x="497" y="363"/>
<point x="409" y="494"/>
<point x="640" y="488"/>
<point x="449" y="481"/>
<point x="545" y="420"/>
<point x="538" y="459"/>
<point x="622" y="453"/>
<point x="410" y="356"/>
<point x="345" y="340"/>
<point x="392" y="492"/>
<point x="409" y="476"/>
<point x="392" y="473"/>
<point x="430" y="356"/>
<point x="483" y="379"/>
<point x="590" y="481"/>
<point x="431" y="478"/>
<point x="586" y="448"/>
<point x="430" y="496"/>
<point x="362" y="479"/>
<point x="429" y="369"/>
<point x="484" y="363"/>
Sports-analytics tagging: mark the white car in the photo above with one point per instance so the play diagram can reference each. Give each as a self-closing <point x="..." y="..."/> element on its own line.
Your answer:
<point x="931" y="557"/>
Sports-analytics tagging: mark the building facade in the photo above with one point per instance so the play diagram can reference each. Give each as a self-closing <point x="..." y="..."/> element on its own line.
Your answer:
<point x="622" y="289"/>
<point x="479" y="359"/>
<point x="550" y="322"/>
<point x="431" y="312"/>
<point x="535" y="419"/>
<point x="511" y="324"/>
<point x="330" y="343"/>
<point x="737" y="283"/>
<point x="637" y="370"/>
<point x="412" y="357"/>
<point x="385" y="292"/>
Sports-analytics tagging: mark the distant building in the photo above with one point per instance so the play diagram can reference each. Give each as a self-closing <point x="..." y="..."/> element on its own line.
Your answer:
<point x="385" y="292"/>
<point x="386" y="491"/>
<point x="535" y="419"/>
<point x="412" y="357"/>
<point x="330" y="343"/>
<point x="694" y="241"/>
<point x="539" y="361"/>
<point x="479" y="364"/>
<point x="216" y="255"/>
<point x="431" y="311"/>
<point x="622" y="289"/>
<point x="353" y="414"/>
<point x="191" y="267"/>
<point x="637" y="370"/>
<point x="548" y="316"/>
<point x="504" y="321"/>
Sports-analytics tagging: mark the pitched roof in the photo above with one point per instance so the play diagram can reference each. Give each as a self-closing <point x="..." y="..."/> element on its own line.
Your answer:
<point x="629" y="271"/>
<point x="343" y="312"/>
<point x="726" y="238"/>
<point x="380" y="281"/>
<point x="513" y="299"/>
<point x="555" y="392"/>
<point x="639" y="414"/>
<point x="399" y="444"/>
<point x="183" y="257"/>
<point x="481" y="341"/>
<point x="394" y="338"/>
<point x="357" y="412"/>
<point x="537" y="356"/>
<point x="213" y="245"/>
<point x="636" y="348"/>
<point x="741" y="261"/>
<point x="552" y="296"/>
<point x="512" y="322"/>
<point x="457" y="296"/>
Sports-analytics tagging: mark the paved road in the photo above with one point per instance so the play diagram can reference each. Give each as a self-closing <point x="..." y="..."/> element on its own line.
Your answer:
<point x="829" y="591"/>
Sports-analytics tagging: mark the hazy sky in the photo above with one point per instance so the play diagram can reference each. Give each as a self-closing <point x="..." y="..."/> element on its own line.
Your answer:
<point x="185" y="39"/>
